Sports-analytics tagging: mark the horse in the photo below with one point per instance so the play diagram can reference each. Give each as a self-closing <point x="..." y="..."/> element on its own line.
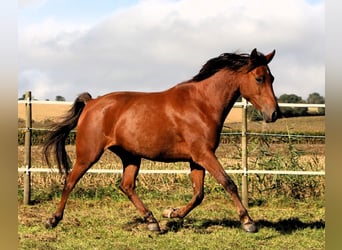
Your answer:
<point x="182" y="123"/>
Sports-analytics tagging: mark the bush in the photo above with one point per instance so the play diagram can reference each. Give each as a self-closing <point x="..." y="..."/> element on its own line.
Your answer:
<point x="253" y="114"/>
<point x="289" y="111"/>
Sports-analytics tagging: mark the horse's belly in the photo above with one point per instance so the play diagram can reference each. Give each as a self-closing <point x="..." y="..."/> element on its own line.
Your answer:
<point x="153" y="144"/>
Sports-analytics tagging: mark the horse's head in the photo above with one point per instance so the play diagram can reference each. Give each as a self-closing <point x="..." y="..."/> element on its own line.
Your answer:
<point x="257" y="87"/>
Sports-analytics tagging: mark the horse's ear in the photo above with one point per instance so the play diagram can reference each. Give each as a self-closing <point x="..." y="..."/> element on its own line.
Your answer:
<point x="254" y="54"/>
<point x="270" y="56"/>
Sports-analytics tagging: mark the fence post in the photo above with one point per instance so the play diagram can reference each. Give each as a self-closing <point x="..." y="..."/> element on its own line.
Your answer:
<point x="28" y="126"/>
<point x="244" y="191"/>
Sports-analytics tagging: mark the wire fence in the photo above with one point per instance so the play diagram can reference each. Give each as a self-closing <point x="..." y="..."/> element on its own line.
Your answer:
<point x="242" y="104"/>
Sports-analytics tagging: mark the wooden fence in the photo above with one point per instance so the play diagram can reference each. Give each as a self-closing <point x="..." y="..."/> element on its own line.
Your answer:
<point x="244" y="134"/>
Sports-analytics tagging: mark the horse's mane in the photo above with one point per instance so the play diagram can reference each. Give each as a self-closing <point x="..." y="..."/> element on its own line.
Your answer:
<point x="231" y="61"/>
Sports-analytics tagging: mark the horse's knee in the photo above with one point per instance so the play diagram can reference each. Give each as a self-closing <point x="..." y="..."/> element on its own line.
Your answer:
<point x="232" y="187"/>
<point x="228" y="184"/>
<point x="127" y="189"/>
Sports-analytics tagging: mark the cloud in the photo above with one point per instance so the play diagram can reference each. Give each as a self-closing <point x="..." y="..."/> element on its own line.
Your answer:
<point x="39" y="81"/>
<point x="153" y="45"/>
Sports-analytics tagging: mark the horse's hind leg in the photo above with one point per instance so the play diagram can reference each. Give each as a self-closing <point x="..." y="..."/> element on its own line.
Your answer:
<point x="80" y="168"/>
<point x="131" y="167"/>
<point x="197" y="178"/>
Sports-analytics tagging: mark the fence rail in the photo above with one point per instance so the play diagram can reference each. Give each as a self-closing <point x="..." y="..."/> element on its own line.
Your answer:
<point x="244" y="133"/>
<point x="236" y="105"/>
<point x="175" y="171"/>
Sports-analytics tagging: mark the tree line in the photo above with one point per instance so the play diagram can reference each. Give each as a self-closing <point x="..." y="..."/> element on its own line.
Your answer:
<point x="58" y="98"/>
<point x="314" y="98"/>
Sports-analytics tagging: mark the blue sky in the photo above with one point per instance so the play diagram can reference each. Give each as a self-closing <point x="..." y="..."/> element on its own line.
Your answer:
<point x="74" y="10"/>
<point x="68" y="47"/>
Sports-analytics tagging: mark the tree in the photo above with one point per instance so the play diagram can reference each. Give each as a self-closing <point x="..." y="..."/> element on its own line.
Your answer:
<point x="22" y="97"/>
<point x="316" y="98"/>
<point x="60" y="98"/>
<point x="291" y="98"/>
<point x="289" y="111"/>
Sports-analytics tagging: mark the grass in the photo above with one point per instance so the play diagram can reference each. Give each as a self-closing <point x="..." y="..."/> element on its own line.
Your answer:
<point x="99" y="216"/>
<point x="112" y="223"/>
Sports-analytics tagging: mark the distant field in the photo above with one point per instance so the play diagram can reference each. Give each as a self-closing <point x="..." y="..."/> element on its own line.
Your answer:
<point x="305" y="124"/>
<point x="42" y="112"/>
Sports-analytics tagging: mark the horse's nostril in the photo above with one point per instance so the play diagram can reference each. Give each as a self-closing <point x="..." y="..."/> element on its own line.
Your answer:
<point x="274" y="116"/>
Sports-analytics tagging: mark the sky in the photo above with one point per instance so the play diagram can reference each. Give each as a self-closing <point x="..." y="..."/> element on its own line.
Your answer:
<point x="69" y="47"/>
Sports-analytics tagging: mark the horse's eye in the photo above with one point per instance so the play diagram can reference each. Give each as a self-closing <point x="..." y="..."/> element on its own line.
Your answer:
<point x="260" y="79"/>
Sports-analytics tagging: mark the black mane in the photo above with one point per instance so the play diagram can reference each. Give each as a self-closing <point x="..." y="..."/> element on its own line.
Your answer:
<point x="232" y="61"/>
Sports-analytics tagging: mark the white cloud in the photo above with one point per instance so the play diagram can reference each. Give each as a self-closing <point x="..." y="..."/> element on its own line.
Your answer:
<point x="156" y="44"/>
<point x="44" y="85"/>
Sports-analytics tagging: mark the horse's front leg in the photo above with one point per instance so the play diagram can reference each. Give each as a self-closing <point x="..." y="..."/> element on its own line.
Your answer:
<point x="207" y="159"/>
<point x="197" y="178"/>
<point x="131" y="168"/>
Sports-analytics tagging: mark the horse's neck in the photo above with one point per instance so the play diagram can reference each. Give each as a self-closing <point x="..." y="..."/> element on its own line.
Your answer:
<point x="221" y="90"/>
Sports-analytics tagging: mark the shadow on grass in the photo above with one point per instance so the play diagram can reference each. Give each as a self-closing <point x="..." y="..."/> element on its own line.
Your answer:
<point x="285" y="226"/>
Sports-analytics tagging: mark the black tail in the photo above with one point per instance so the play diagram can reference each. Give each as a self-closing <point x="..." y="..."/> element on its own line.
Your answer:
<point x="59" y="133"/>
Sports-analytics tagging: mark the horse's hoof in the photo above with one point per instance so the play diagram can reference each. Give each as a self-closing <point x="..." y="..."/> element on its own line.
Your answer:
<point x="49" y="223"/>
<point x="154" y="227"/>
<point x="250" y="227"/>
<point x="167" y="213"/>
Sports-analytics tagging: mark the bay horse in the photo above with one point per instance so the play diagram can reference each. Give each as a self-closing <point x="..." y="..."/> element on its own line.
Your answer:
<point x="182" y="123"/>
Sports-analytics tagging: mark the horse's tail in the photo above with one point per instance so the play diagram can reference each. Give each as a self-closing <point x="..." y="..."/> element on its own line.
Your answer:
<point x="59" y="132"/>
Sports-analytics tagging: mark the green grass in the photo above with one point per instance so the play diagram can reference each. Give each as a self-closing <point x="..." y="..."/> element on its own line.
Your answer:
<point x="99" y="216"/>
<point x="113" y="223"/>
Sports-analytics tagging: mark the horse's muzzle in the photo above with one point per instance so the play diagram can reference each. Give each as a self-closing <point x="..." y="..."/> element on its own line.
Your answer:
<point x="270" y="117"/>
